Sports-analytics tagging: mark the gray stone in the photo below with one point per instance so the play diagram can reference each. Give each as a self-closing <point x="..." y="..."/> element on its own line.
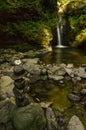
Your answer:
<point x="82" y="72"/>
<point x="32" y="67"/>
<point x="6" y="87"/>
<point x="83" y="92"/>
<point x="56" y="78"/>
<point x="70" y="66"/>
<point x="18" y="70"/>
<point x="30" y="61"/>
<point x="75" y="124"/>
<point x="6" y="108"/>
<point x="30" y="117"/>
<point x="61" y="72"/>
<point x="53" y="70"/>
<point x="73" y="97"/>
<point x="51" y="119"/>
<point x="69" y="71"/>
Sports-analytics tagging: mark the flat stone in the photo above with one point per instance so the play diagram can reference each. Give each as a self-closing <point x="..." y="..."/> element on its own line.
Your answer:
<point x="56" y="78"/>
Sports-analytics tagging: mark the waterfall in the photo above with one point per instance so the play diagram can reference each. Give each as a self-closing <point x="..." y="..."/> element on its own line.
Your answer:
<point x="59" y="31"/>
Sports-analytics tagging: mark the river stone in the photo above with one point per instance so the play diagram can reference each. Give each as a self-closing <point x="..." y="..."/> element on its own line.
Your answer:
<point x="18" y="70"/>
<point x="83" y="92"/>
<point x="52" y="70"/>
<point x="61" y="72"/>
<point x="30" y="117"/>
<point x="73" y="97"/>
<point x="70" y="66"/>
<point x="75" y="124"/>
<point x="6" y="87"/>
<point x="30" y="61"/>
<point x="69" y="71"/>
<point x="56" y="78"/>
<point x="82" y="72"/>
<point x="51" y="119"/>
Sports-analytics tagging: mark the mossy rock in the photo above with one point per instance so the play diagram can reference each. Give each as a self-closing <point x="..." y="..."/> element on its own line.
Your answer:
<point x="80" y="39"/>
<point x="30" y="117"/>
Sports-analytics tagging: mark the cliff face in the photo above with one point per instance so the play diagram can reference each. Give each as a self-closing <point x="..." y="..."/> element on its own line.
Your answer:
<point x="26" y="21"/>
<point x="75" y="15"/>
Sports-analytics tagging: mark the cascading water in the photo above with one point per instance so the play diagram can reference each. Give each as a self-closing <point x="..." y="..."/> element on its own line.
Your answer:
<point x="60" y="25"/>
<point x="59" y="31"/>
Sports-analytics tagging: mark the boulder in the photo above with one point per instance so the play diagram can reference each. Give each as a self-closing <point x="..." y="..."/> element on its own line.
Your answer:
<point x="6" y="108"/>
<point x="30" y="117"/>
<point x="32" y="67"/>
<point x="6" y="87"/>
<point x="75" y="124"/>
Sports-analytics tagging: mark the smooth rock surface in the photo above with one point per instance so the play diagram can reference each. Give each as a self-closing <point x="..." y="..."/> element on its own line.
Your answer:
<point x="75" y="124"/>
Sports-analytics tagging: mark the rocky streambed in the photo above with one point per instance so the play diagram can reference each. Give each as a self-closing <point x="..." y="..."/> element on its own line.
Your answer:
<point x="57" y="94"/>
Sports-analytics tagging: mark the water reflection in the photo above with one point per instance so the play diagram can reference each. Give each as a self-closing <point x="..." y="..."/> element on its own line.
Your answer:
<point x="65" y="55"/>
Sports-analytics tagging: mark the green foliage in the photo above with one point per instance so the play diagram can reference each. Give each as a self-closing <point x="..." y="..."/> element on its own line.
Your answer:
<point x="24" y="20"/>
<point x="75" y="15"/>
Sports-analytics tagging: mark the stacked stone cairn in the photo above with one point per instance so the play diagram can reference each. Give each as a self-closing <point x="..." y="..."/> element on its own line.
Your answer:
<point x="20" y="88"/>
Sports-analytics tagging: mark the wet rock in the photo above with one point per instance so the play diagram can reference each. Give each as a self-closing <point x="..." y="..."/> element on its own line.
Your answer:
<point x="18" y="69"/>
<point x="73" y="97"/>
<point x="30" y="117"/>
<point x="75" y="124"/>
<point x="51" y="119"/>
<point x="6" y="87"/>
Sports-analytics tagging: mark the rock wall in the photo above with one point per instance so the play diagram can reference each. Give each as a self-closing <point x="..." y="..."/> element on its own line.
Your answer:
<point x="75" y="32"/>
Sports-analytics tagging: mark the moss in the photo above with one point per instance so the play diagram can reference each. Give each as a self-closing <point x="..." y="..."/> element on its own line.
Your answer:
<point x="75" y="15"/>
<point x="80" y="38"/>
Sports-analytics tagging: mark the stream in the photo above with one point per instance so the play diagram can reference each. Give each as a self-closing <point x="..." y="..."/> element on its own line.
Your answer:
<point x="49" y="90"/>
<point x="65" y="55"/>
<point x="57" y="93"/>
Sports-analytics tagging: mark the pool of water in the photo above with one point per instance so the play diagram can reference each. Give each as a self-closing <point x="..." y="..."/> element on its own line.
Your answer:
<point x="58" y="94"/>
<point x="65" y="55"/>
